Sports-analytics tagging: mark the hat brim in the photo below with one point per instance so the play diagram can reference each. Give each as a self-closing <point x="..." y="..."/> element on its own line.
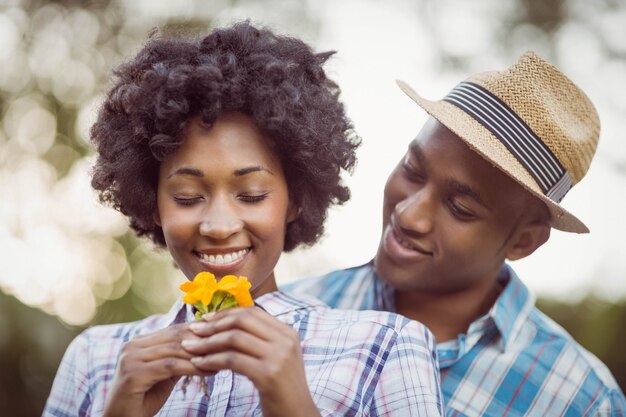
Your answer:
<point x="483" y="142"/>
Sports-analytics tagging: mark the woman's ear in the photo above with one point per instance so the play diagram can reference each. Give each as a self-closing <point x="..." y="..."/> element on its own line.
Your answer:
<point x="156" y="216"/>
<point x="529" y="238"/>
<point x="293" y="212"/>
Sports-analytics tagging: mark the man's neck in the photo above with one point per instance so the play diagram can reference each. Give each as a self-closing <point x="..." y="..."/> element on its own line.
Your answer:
<point x="448" y="314"/>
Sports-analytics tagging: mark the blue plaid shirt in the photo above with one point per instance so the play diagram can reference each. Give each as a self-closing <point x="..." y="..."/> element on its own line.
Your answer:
<point x="357" y="363"/>
<point x="513" y="361"/>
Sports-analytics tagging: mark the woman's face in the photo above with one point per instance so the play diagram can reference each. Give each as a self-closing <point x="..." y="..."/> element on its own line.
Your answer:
<point x="223" y="203"/>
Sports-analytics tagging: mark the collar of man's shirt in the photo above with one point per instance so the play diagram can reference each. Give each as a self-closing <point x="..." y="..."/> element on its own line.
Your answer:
<point x="506" y="316"/>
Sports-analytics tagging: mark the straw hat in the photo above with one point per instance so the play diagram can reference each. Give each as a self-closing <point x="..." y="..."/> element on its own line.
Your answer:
<point x="531" y="122"/>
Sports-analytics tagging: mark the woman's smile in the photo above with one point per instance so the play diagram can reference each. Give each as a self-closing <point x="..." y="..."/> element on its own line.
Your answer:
<point x="223" y="261"/>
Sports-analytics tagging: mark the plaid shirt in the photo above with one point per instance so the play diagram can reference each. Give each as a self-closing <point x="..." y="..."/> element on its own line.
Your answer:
<point x="514" y="361"/>
<point x="357" y="363"/>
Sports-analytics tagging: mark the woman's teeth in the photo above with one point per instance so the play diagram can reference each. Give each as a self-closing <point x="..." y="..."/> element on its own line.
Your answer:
<point x="223" y="259"/>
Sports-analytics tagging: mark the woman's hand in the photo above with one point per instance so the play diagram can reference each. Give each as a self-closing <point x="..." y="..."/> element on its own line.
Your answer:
<point x="250" y="342"/>
<point x="148" y="369"/>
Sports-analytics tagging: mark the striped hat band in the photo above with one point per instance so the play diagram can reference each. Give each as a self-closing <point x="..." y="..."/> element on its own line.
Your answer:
<point x="510" y="129"/>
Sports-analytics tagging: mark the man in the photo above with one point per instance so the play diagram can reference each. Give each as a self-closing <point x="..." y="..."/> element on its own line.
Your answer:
<point x="481" y="184"/>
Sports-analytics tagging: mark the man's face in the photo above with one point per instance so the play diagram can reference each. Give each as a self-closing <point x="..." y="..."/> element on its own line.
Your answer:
<point x="449" y="217"/>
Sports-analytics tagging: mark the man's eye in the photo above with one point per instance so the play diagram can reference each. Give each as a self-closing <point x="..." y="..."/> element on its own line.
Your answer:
<point x="412" y="174"/>
<point x="460" y="212"/>
<point x="186" y="201"/>
<point x="252" y="198"/>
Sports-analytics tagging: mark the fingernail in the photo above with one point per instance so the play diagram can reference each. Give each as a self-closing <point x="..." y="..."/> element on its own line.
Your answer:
<point x="190" y="342"/>
<point x="196" y="359"/>
<point x="207" y="316"/>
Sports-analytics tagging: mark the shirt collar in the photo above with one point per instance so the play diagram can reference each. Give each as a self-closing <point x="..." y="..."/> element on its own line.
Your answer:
<point x="508" y="313"/>
<point x="506" y="317"/>
<point x="384" y="294"/>
<point x="278" y="303"/>
<point x="512" y="307"/>
<point x="179" y="313"/>
<point x="275" y="303"/>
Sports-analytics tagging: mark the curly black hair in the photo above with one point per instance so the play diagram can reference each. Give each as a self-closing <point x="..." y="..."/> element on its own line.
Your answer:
<point x="276" y="80"/>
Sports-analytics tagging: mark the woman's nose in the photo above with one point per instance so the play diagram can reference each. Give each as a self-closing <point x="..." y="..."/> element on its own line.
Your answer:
<point x="220" y="220"/>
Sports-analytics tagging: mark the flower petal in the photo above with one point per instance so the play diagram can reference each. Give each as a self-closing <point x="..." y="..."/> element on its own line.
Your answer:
<point x="190" y="298"/>
<point x="242" y="294"/>
<point x="207" y="295"/>
<point x="188" y="286"/>
<point x="228" y="283"/>
<point x="204" y="278"/>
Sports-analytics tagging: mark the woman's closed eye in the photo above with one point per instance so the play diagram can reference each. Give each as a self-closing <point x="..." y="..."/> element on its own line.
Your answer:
<point x="186" y="201"/>
<point x="252" y="198"/>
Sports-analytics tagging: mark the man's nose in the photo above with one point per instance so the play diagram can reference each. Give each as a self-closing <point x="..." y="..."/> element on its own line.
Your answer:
<point x="416" y="212"/>
<point x="220" y="220"/>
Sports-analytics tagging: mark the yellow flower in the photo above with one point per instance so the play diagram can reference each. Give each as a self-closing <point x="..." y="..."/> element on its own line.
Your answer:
<point x="201" y="289"/>
<point x="238" y="288"/>
<point x="207" y="295"/>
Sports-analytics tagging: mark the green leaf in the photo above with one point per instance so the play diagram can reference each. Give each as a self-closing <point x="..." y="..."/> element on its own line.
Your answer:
<point x="218" y="297"/>
<point x="201" y="307"/>
<point x="229" y="302"/>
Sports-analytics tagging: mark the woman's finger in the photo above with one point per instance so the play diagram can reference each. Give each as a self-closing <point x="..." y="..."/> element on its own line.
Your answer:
<point x="235" y="361"/>
<point x="165" y="350"/>
<point x="232" y="339"/>
<point x="251" y="320"/>
<point x="177" y="332"/>
<point x="161" y="369"/>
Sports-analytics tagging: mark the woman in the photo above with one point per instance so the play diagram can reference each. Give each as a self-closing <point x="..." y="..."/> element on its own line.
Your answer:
<point x="228" y="150"/>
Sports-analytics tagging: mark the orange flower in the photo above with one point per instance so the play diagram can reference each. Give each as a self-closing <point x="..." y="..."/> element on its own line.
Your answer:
<point x="207" y="295"/>
<point x="201" y="289"/>
<point x="238" y="288"/>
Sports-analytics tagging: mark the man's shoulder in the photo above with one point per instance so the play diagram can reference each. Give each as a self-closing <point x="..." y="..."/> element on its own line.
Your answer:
<point x="553" y="374"/>
<point x="565" y="350"/>
<point x="336" y="278"/>
<point x="334" y="287"/>
<point x="535" y="335"/>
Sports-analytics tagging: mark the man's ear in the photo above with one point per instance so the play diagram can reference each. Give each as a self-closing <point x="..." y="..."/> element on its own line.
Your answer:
<point x="156" y="216"/>
<point x="529" y="238"/>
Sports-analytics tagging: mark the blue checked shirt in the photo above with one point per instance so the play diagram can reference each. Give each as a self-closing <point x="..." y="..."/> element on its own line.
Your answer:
<point x="514" y="361"/>
<point x="358" y="363"/>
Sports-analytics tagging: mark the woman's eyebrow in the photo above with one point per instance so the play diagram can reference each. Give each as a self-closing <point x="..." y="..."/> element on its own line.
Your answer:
<point x="187" y="171"/>
<point x="247" y="170"/>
